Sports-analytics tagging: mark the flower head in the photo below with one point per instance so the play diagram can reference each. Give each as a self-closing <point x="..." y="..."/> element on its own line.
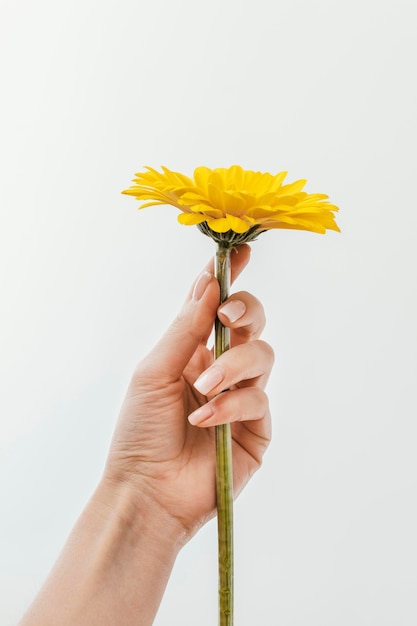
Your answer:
<point x="234" y="205"/>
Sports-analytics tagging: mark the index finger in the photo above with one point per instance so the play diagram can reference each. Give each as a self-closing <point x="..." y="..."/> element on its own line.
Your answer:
<point x="244" y="315"/>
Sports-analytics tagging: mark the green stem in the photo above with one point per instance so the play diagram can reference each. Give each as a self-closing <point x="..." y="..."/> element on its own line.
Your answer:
<point x="224" y="473"/>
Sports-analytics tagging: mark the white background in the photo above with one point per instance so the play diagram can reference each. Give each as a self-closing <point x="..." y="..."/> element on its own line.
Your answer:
<point x="93" y="91"/>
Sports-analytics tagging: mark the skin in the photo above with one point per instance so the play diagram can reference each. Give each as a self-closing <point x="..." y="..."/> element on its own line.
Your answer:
<point x="158" y="485"/>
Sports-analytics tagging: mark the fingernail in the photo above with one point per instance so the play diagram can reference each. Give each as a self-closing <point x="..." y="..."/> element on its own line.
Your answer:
<point x="200" y="414"/>
<point x="201" y="285"/>
<point x="209" y="379"/>
<point x="233" y="310"/>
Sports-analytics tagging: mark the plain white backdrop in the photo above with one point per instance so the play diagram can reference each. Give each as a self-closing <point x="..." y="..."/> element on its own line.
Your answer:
<point x="93" y="91"/>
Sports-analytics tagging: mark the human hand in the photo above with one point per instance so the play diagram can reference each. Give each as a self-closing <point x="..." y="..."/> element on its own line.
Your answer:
<point x="164" y="441"/>
<point x="158" y="487"/>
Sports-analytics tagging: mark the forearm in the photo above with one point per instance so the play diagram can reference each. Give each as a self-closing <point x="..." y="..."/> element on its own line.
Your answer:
<point x="114" y="567"/>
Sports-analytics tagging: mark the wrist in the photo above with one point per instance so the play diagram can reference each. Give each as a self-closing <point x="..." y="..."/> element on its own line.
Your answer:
<point x="132" y="511"/>
<point x="115" y="565"/>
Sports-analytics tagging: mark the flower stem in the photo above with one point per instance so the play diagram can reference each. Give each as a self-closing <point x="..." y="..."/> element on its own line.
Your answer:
<point x="224" y="473"/>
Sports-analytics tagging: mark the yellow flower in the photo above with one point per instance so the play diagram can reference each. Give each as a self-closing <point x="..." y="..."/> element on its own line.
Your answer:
<point x="235" y="201"/>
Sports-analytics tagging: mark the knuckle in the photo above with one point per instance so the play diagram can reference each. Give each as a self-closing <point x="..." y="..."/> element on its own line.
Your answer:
<point x="267" y="350"/>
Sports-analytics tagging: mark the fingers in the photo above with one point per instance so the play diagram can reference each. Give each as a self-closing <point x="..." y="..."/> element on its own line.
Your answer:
<point x="241" y="373"/>
<point x="245" y="365"/>
<point x="248" y="411"/>
<point x="194" y="323"/>
<point x="237" y="405"/>
<point x="249" y="361"/>
<point x="244" y="315"/>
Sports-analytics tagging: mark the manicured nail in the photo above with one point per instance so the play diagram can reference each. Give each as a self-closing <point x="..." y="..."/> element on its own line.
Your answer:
<point x="209" y="379"/>
<point x="200" y="414"/>
<point x="233" y="310"/>
<point x="201" y="285"/>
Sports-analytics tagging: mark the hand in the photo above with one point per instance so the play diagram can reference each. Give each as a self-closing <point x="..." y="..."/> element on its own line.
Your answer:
<point x="159" y="483"/>
<point x="164" y="441"/>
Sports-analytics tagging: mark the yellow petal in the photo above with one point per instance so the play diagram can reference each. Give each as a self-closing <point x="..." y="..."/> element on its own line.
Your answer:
<point x="236" y="224"/>
<point x="215" y="196"/>
<point x="294" y="187"/>
<point x="234" y="177"/>
<point x="219" y="226"/>
<point x="201" y="177"/>
<point x="206" y="210"/>
<point x="190" y="219"/>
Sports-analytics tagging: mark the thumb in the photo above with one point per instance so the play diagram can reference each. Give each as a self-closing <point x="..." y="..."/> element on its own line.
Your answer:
<point x="193" y="325"/>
